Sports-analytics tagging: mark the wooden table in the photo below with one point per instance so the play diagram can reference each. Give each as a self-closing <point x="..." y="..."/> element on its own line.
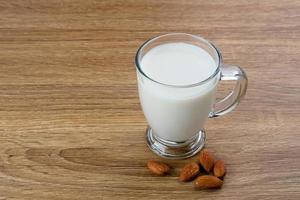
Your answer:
<point x="71" y="126"/>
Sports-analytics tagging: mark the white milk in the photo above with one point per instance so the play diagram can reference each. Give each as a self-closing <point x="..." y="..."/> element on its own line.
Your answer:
<point x="177" y="114"/>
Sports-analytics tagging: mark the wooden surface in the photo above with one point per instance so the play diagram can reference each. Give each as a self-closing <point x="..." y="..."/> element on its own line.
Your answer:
<point x="71" y="126"/>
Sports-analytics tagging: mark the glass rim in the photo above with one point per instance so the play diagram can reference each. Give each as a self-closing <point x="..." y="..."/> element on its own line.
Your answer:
<point x="211" y="45"/>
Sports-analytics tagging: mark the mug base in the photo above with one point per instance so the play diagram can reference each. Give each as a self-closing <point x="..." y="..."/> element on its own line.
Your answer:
<point x="175" y="150"/>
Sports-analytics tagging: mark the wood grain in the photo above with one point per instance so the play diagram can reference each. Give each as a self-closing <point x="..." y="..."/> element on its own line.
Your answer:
<point x="71" y="126"/>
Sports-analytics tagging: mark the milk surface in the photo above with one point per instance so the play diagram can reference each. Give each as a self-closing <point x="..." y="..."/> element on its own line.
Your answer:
<point x="177" y="114"/>
<point x="178" y="64"/>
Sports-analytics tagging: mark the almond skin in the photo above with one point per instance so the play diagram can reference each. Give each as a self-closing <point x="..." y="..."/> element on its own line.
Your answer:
<point x="189" y="171"/>
<point x="206" y="160"/>
<point x="208" y="182"/>
<point x="219" y="169"/>
<point x="158" y="168"/>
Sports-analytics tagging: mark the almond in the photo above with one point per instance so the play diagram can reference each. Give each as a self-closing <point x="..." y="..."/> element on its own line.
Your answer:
<point x="158" y="168"/>
<point x="219" y="169"/>
<point x="206" y="160"/>
<point x="189" y="171"/>
<point x="208" y="182"/>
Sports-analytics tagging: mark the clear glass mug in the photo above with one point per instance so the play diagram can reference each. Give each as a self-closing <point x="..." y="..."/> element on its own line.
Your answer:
<point x="175" y="115"/>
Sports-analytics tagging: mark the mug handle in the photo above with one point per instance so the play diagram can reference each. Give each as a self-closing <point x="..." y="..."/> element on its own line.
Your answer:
<point x="229" y="103"/>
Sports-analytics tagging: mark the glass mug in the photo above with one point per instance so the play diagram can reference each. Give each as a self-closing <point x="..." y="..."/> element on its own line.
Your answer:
<point x="176" y="113"/>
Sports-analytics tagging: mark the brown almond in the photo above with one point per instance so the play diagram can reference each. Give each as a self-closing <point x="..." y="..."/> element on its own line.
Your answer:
<point x="219" y="169"/>
<point x="208" y="182"/>
<point x="158" y="168"/>
<point x="206" y="160"/>
<point x="189" y="171"/>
